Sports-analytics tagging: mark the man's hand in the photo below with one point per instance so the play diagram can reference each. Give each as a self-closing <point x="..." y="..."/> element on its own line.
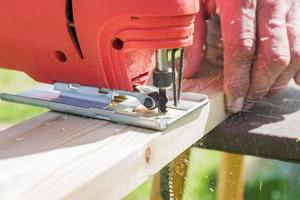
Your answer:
<point x="261" y="40"/>
<point x="278" y="50"/>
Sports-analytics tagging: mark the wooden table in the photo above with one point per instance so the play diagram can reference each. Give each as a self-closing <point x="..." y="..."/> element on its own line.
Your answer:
<point x="271" y="129"/>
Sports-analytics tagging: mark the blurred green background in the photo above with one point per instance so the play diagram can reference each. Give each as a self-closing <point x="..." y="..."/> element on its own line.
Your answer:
<point x="13" y="82"/>
<point x="265" y="179"/>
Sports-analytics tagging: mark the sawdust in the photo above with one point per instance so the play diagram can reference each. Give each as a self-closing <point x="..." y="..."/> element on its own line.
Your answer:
<point x="19" y="139"/>
<point x="144" y="111"/>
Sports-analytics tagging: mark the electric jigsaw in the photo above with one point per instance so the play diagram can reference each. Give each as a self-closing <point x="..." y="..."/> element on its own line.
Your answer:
<point x="98" y="57"/>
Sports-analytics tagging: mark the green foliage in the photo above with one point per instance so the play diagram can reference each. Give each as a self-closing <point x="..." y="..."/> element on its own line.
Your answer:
<point x="142" y="193"/>
<point x="273" y="180"/>
<point x="13" y="82"/>
<point x="274" y="188"/>
<point x="202" y="175"/>
<point x="13" y="113"/>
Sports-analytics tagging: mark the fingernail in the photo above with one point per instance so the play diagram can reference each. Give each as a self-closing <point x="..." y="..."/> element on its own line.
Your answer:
<point x="236" y="105"/>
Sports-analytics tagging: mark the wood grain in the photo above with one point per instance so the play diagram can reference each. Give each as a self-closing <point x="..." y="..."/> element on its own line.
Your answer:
<point x="58" y="156"/>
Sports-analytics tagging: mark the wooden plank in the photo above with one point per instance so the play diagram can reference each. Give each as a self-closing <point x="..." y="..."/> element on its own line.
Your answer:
<point x="68" y="157"/>
<point x="4" y="126"/>
<point x="271" y="129"/>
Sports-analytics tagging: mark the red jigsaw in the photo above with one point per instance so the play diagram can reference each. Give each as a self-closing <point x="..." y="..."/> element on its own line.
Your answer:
<point x="100" y="43"/>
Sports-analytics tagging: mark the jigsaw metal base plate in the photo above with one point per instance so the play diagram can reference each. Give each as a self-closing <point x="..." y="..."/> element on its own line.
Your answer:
<point x="128" y="112"/>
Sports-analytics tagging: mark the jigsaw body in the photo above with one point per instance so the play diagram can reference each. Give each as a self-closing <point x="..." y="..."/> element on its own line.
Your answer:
<point x="100" y="43"/>
<point x="95" y="45"/>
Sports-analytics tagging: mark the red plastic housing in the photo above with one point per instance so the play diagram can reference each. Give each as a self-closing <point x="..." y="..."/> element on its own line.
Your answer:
<point x="101" y="43"/>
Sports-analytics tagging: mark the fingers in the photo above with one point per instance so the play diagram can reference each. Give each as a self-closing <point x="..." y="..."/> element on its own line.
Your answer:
<point x="194" y="55"/>
<point x="293" y="30"/>
<point x="297" y="78"/>
<point x="238" y="24"/>
<point x="295" y="9"/>
<point x="273" y="54"/>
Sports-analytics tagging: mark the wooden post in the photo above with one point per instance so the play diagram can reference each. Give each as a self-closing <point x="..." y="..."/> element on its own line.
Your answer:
<point x="156" y="192"/>
<point x="231" y="177"/>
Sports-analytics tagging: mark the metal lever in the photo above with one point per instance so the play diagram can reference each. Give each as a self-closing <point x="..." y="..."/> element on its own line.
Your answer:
<point x="163" y="78"/>
<point x="173" y="57"/>
<point x="180" y="75"/>
<point x="177" y="91"/>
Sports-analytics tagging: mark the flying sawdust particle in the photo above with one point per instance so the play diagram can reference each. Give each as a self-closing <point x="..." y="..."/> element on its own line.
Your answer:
<point x="19" y="139"/>
<point x="260" y="185"/>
